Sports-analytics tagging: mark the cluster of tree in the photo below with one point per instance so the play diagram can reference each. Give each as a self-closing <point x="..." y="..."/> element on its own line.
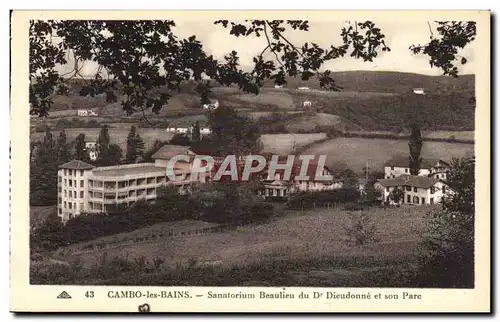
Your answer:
<point x="47" y="154"/>
<point x="231" y="204"/>
<point x="45" y="157"/>
<point x="447" y="252"/>
<point x="310" y="199"/>
<point x="277" y="122"/>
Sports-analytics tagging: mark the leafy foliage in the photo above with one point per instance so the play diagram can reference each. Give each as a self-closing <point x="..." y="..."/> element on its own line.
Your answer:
<point x="180" y="139"/>
<point x="447" y="253"/>
<point x="44" y="164"/>
<point x="442" y="49"/>
<point x="81" y="152"/>
<point x="148" y="155"/>
<point x="150" y="56"/>
<point x="230" y="203"/>
<point x="397" y="195"/>
<point x="361" y="230"/>
<point x="461" y="180"/>
<point x="108" y="154"/>
<point x="233" y="133"/>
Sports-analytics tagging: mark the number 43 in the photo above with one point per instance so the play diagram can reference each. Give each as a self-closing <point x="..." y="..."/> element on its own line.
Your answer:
<point x="89" y="294"/>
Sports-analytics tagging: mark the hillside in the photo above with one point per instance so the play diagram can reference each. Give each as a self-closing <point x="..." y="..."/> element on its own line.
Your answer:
<point x="370" y="101"/>
<point x="389" y="82"/>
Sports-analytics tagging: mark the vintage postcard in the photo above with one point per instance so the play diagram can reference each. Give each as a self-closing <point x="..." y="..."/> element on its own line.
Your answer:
<point x="238" y="161"/>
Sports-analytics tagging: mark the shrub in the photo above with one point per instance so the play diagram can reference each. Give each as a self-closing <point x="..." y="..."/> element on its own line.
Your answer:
<point x="361" y="230"/>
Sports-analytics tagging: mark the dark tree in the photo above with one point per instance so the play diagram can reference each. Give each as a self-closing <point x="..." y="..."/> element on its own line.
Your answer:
<point x="415" y="146"/>
<point x="349" y="179"/>
<point x="233" y="133"/>
<point x="148" y="155"/>
<point x="43" y="173"/>
<point x="115" y="155"/>
<point x="103" y="145"/>
<point x="196" y="134"/>
<point x="80" y="150"/>
<point x="63" y="154"/>
<point x="180" y="139"/>
<point x="461" y="179"/>
<point x="135" y="146"/>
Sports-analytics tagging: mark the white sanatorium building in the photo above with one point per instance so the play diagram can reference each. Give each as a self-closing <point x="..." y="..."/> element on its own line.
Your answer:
<point x="83" y="188"/>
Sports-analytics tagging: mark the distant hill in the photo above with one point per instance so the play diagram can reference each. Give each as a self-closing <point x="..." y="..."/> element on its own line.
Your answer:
<point x="370" y="101"/>
<point x="388" y="82"/>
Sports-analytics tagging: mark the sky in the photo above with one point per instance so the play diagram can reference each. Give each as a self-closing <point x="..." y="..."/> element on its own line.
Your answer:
<point x="400" y="36"/>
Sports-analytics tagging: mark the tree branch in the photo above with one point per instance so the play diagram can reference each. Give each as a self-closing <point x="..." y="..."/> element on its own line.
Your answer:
<point x="430" y="29"/>
<point x="269" y="46"/>
<point x="286" y="40"/>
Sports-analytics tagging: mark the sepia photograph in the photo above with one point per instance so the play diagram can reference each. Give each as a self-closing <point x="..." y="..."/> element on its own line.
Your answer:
<point x="336" y="152"/>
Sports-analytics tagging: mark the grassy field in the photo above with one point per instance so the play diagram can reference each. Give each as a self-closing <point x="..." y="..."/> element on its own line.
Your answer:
<point x="163" y="228"/>
<point x="355" y="152"/>
<point x="309" y="235"/>
<point x="284" y="143"/>
<point x="461" y="135"/>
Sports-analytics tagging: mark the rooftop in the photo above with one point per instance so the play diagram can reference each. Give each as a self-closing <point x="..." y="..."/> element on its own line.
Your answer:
<point x="123" y="171"/>
<point x="404" y="162"/>
<point x="76" y="165"/>
<point x="409" y="180"/>
<point x="168" y="151"/>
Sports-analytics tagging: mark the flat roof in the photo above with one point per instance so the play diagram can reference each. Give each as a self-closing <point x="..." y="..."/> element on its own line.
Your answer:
<point x="128" y="171"/>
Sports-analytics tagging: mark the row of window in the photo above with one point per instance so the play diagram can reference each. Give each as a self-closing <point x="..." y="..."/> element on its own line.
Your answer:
<point x="72" y="172"/>
<point x="415" y="189"/>
<point x="73" y="194"/>
<point x="406" y="169"/>
<point x="415" y="200"/>
<point x="69" y="205"/>
<point x="70" y="182"/>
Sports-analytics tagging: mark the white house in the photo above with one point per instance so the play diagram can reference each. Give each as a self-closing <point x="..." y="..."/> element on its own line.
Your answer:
<point x="307" y="104"/>
<point x="212" y="106"/>
<point x="82" y="112"/>
<point x="419" y="91"/>
<point x="91" y="148"/>
<point x="177" y="130"/>
<point x="86" y="113"/>
<point x="417" y="190"/>
<point x="90" y="145"/>
<point x="428" y="167"/>
<point x="205" y="130"/>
